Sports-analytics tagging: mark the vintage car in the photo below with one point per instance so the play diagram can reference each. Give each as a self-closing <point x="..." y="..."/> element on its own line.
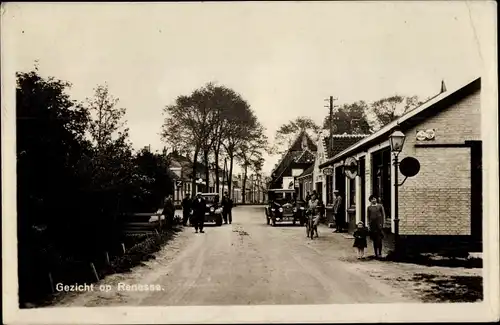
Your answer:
<point x="283" y="208"/>
<point x="213" y="212"/>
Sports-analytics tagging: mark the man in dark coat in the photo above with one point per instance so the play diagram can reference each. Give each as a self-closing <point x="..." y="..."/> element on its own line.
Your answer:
<point x="227" y="206"/>
<point x="186" y="209"/>
<point x="199" y="207"/>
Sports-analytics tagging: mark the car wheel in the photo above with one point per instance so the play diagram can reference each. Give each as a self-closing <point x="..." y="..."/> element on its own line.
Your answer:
<point x="218" y="221"/>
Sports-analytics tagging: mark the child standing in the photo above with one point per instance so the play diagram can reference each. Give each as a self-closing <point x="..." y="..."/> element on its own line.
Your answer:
<point x="360" y="235"/>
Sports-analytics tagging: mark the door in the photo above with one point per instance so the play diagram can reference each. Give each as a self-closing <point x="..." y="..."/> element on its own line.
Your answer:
<point x="319" y="190"/>
<point x="381" y="182"/>
<point x="340" y="186"/>
<point x="363" y="188"/>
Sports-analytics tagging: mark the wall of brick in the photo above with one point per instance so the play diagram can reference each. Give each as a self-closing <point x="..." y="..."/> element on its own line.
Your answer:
<point x="437" y="200"/>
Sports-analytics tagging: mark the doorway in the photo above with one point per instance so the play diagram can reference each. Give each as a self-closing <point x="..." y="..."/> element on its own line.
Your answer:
<point x="319" y="190"/>
<point x="381" y="179"/>
<point x="362" y="164"/>
<point x="340" y="186"/>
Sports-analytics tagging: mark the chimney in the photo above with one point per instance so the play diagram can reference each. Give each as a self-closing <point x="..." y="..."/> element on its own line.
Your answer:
<point x="443" y="86"/>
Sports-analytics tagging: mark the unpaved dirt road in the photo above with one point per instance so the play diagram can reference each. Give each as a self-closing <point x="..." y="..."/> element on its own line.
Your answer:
<point x="248" y="262"/>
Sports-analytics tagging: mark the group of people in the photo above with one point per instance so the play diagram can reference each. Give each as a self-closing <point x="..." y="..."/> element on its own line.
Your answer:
<point x="376" y="215"/>
<point x="337" y="201"/>
<point x="193" y="210"/>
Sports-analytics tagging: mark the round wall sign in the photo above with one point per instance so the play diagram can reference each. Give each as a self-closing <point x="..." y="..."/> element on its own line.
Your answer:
<point x="409" y="166"/>
<point x="351" y="167"/>
<point x="328" y="171"/>
<point x="421" y="135"/>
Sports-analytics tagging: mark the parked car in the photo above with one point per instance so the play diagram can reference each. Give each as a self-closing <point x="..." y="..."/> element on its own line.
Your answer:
<point x="282" y="208"/>
<point x="213" y="212"/>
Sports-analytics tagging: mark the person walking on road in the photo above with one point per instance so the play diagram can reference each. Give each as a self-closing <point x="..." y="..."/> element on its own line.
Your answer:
<point x="186" y="209"/>
<point x="337" y="202"/>
<point x="226" y="207"/>
<point x="360" y="235"/>
<point x="313" y="211"/>
<point x="199" y="207"/>
<point x="376" y="217"/>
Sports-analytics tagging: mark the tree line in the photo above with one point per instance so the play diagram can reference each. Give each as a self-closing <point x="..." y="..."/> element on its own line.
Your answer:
<point x="216" y="123"/>
<point x="351" y="118"/>
<point x="77" y="174"/>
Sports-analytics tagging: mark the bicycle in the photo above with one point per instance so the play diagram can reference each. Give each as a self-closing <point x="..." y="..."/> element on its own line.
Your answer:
<point x="310" y="227"/>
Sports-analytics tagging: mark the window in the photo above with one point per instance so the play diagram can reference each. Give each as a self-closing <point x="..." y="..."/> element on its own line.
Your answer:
<point x="381" y="181"/>
<point x="352" y="192"/>
<point x="329" y="189"/>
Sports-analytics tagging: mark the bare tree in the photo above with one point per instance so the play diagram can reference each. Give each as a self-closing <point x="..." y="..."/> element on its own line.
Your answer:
<point x="241" y="122"/>
<point x="249" y="154"/>
<point x="187" y="125"/>
<point x="107" y="119"/>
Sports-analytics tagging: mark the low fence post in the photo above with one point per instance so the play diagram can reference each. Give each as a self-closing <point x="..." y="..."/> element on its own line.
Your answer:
<point x="94" y="271"/>
<point x="51" y="283"/>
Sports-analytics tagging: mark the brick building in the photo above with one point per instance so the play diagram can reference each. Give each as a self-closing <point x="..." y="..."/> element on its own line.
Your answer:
<point x="442" y="204"/>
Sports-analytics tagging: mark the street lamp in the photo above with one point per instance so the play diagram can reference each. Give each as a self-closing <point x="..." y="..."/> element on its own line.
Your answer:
<point x="397" y="140"/>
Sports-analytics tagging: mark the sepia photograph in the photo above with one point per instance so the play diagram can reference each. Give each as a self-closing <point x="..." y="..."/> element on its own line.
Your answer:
<point x="249" y="162"/>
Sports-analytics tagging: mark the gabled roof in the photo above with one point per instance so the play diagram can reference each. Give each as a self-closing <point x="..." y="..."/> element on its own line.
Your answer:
<point x="295" y="151"/>
<point x="433" y="106"/>
<point x="172" y="175"/>
<point x="340" y="142"/>
<point x="307" y="172"/>
<point x="297" y="144"/>
<point x="288" y="158"/>
<point x="305" y="157"/>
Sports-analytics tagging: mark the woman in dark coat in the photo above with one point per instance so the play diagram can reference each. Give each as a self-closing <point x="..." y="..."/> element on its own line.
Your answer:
<point x="376" y="216"/>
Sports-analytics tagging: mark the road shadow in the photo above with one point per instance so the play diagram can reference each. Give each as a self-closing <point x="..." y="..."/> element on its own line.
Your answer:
<point x="468" y="263"/>
<point x="450" y="289"/>
<point x="287" y="225"/>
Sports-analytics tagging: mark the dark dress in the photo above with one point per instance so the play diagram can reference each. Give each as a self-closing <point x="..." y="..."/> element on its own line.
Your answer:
<point x="376" y="221"/>
<point x="360" y="238"/>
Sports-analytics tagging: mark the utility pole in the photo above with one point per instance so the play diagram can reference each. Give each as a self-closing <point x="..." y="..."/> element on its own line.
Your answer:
<point x="330" y="145"/>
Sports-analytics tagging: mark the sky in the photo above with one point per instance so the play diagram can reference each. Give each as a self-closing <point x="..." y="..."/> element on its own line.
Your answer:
<point x="285" y="59"/>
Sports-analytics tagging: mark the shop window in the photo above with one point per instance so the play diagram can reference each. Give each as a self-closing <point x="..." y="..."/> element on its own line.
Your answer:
<point x="352" y="192"/>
